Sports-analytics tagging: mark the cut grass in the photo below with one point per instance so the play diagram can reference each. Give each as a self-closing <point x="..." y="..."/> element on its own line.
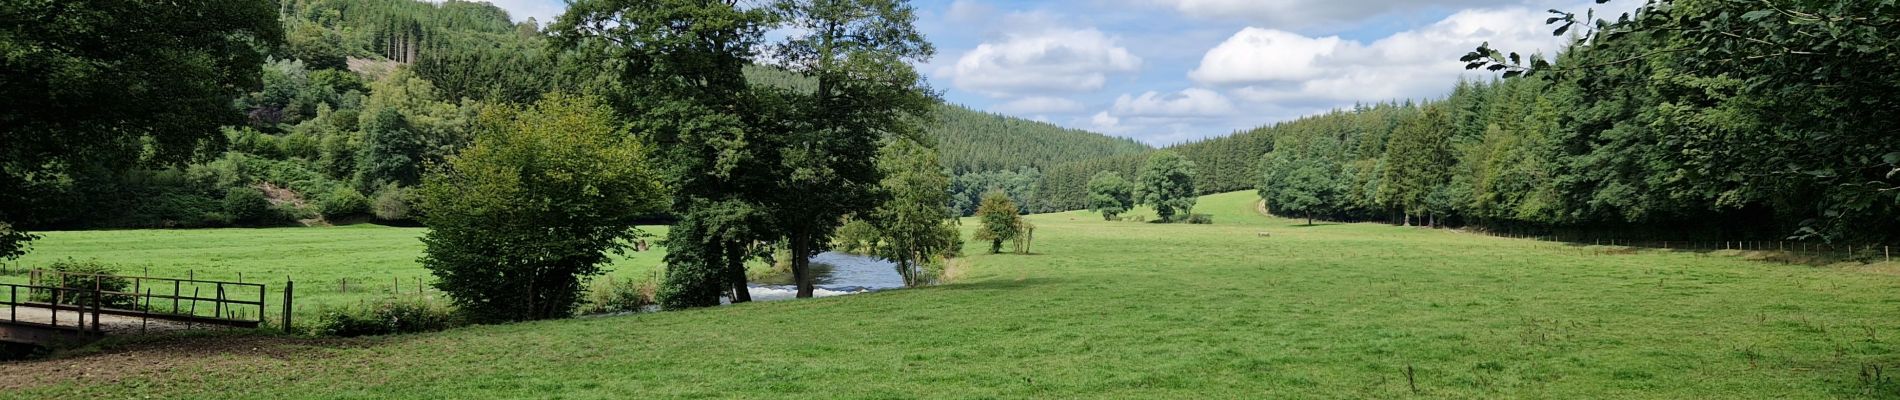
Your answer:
<point x="1138" y="310"/>
<point x="373" y="259"/>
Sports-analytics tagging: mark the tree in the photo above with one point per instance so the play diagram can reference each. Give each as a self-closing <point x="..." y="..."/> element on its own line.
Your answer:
<point x="858" y="52"/>
<point x="676" y="71"/>
<point x="112" y="85"/>
<point x="392" y="150"/>
<point x="914" y="222"/>
<point x="1418" y="161"/>
<point x="522" y="218"/>
<point x="1167" y="183"/>
<point x="1110" y="195"/>
<point x="1002" y="221"/>
<point x="1298" y="187"/>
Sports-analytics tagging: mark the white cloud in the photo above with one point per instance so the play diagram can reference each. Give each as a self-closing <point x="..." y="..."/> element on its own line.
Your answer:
<point x="1038" y="105"/>
<point x="1304" y="13"/>
<point x="1262" y="65"/>
<point x="1256" y="54"/>
<point x="1190" y="103"/>
<point x="1065" y="60"/>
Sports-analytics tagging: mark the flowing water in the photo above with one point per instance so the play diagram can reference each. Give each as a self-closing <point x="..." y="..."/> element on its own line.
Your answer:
<point x="835" y="274"/>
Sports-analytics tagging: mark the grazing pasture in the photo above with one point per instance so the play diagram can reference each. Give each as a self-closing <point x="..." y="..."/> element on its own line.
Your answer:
<point x="1100" y="310"/>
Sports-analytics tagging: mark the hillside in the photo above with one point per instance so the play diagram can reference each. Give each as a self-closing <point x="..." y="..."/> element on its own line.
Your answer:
<point x="353" y="142"/>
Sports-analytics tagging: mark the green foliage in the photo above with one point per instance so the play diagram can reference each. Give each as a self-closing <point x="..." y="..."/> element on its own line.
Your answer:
<point x="914" y="221"/>
<point x="388" y="316"/>
<point x="520" y="219"/>
<point x="1167" y="184"/>
<point x="1110" y="195"/>
<point x="343" y="202"/>
<point x="247" y="205"/>
<point x="1002" y="221"/>
<point x="620" y="295"/>
<point x="112" y="85"/>
<point x="87" y="275"/>
<point x="1022" y="186"/>
<point x="393" y="203"/>
<point x="1298" y="187"/>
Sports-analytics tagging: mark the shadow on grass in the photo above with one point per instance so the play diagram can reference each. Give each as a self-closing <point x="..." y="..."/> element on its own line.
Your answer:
<point x="1314" y="225"/>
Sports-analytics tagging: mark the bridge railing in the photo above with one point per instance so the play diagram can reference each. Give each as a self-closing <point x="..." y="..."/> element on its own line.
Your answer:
<point x="185" y="300"/>
<point x="20" y="297"/>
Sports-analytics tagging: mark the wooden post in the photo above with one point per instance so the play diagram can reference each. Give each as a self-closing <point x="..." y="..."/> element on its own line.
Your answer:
<point x="217" y="307"/>
<point x="175" y="293"/>
<point x="13" y="303"/>
<point x="289" y="287"/>
<point x="97" y="302"/>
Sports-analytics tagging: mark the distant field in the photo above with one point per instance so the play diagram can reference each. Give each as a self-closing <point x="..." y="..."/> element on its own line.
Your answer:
<point x="1106" y="310"/>
<point x="373" y="259"/>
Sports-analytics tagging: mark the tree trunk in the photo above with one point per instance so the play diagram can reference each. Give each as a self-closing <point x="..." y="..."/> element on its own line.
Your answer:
<point x="1309" y="219"/>
<point x="801" y="264"/>
<point x="735" y="273"/>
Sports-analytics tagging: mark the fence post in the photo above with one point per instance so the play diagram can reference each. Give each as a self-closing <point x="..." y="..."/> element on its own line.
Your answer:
<point x="98" y="301"/>
<point x="289" y="286"/>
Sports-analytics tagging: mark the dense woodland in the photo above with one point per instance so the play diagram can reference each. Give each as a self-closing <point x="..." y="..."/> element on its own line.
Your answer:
<point x="362" y="95"/>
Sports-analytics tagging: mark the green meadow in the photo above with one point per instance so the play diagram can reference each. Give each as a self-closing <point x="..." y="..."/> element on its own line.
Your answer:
<point x="332" y="266"/>
<point x="1249" y="307"/>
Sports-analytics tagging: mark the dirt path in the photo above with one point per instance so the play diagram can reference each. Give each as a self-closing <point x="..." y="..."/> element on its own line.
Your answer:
<point x="111" y="324"/>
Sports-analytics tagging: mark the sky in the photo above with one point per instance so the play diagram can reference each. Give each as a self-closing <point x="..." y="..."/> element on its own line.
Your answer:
<point x="1171" y="71"/>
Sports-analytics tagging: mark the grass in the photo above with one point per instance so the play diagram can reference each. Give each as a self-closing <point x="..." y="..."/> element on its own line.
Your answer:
<point x="332" y="266"/>
<point x="1139" y="310"/>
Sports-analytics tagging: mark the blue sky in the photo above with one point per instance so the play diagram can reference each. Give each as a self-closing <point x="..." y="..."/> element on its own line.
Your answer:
<point x="1168" y="71"/>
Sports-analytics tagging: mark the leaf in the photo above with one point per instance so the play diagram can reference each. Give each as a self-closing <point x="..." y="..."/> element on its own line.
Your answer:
<point x="1512" y="74"/>
<point x="1475" y="65"/>
<point x="1891" y="158"/>
<point x="1495" y="67"/>
<point x="1469" y="57"/>
<point x="1757" y="15"/>
<point x="1561" y="29"/>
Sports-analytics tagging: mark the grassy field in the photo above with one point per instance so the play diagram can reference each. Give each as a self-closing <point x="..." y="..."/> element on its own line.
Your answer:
<point x="332" y="266"/>
<point x="1123" y="310"/>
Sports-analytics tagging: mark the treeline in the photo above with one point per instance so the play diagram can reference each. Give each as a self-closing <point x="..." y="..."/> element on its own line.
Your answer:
<point x="1662" y="124"/>
<point x="361" y="95"/>
<point x="1666" y="123"/>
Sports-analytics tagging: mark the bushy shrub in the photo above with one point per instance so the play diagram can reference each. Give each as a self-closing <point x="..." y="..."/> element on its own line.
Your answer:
<point x="620" y="295"/>
<point x="1200" y="219"/>
<point x="392" y="203"/>
<point x="388" y="316"/>
<point x="343" y="202"/>
<point x="856" y="237"/>
<point x="93" y="275"/>
<point x="247" y="205"/>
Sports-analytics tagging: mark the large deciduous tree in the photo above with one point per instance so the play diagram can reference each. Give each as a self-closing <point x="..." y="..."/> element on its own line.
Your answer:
<point x="859" y="54"/>
<point x="1167" y="184"/>
<point x="1110" y="195"/>
<point x="523" y="217"/>
<point x="111" y="84"/>
<point x="676" y="69"/>
<point x="1298" y="186"/>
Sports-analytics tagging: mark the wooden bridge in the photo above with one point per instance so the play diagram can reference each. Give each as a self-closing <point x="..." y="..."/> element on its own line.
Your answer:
<point x="57" y="307"/>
